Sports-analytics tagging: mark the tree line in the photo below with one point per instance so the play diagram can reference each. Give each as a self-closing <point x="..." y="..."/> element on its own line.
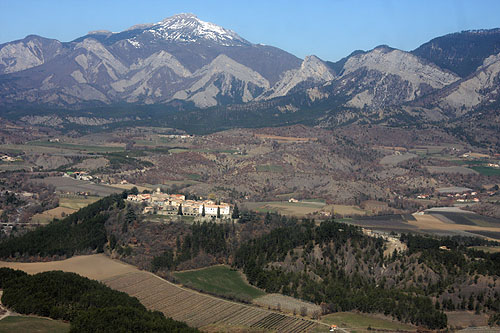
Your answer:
<point x="80" y="232"/>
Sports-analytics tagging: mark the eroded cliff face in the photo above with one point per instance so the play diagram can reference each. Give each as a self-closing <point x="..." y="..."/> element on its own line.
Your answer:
<point x="386" y="77"/>
<point x="481" y="87"/>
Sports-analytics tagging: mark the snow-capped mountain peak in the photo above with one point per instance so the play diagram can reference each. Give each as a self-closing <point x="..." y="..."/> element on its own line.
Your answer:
<point x="189" y="28"/>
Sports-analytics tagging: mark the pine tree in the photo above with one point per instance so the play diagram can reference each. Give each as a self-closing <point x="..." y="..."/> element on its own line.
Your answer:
<point x="218" y="212"/>
<point x="130" y="216"/>
<point x="179" y="211"/>
<point x="203" y="211"/>
<point x="236" y="212"/>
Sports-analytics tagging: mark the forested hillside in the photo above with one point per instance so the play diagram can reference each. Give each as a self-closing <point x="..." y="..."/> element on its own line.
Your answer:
<point x="80" y="232"/>
<point x="337" y="266"/>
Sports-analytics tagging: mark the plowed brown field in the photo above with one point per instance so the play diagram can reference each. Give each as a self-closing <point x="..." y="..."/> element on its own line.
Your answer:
<point x="199" y="310"/>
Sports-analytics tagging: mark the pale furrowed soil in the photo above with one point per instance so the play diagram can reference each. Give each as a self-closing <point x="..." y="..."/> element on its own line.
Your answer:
<point x="96" y="266"/>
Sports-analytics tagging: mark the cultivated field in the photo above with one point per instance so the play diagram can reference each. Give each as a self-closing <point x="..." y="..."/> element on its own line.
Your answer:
<point x="489" y="249"/>
<point x="199" y="310"/>
<point x="344" y="209"/>
<point x="68" y="204"/>
<point x="32" y="324"/>
<point x="360" y="322"/>
<point x="287" y="304"/>
<point x="387" y="223"/>
<point x="49" y="215"/>
<point x="286" y="208"/>
<point x="76" y="202"/>
<point x="71" y="146"/>
<point x="435" y="223"/>
<point x="395" y="159"/>
<point x="97" y="266"/>
<point x="284" y="138"/>
<point x="130" y="186"/>
<point x="443" y="221"/>
<point x="466" y="319"/>
<point x="219" y="280"/>
<point x="157" y="294"/>
<point x="451" y="169"/>
<point x="70" y="185"/>
<point x="487" y="171"/>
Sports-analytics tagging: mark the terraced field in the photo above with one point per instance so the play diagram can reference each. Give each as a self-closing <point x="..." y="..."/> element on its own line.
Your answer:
<point x="200" y="310"/>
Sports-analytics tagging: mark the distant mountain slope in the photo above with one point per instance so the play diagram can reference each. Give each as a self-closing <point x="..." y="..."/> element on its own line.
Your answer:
<point x="476" y="91"/>
<point x="193" y="74"/>
<point x="461" y="52"/>
<point x="27" y="53"/>
<point x="147" y="64"/>
<point x="385" y="76"/>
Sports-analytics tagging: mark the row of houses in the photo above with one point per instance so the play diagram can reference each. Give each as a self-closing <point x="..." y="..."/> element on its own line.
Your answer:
<point x="173" y="204"/>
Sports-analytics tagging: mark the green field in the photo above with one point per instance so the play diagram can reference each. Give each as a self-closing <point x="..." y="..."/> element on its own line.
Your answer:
<point x="286" y="208"/>
<point x="93" y="149"/>
<point x="32" y="324"/>
<point x="361" y="321"/>
<point x="177" y="150"/>
<point x="487" y="171"/>
<point x="219" y="280"/>
<point x="269" y="168"/>
<point x="194" y="176"/>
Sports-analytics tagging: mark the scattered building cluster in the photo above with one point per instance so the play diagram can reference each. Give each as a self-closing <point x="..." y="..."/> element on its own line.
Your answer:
<point x="456" y="193"/>
<point x="176" y="204"/>
<point x="79" y="175"/>
<point x="460" y="194"/>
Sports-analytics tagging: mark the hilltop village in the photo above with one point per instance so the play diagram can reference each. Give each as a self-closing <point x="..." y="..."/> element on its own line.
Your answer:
<point x="176" y="204"/>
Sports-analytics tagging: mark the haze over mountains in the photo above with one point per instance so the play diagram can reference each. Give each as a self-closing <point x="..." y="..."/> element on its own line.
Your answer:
<point x="184" y="62"/>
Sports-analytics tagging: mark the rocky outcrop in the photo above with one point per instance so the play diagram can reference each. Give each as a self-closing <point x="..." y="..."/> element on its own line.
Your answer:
<point x="312" y="70"/>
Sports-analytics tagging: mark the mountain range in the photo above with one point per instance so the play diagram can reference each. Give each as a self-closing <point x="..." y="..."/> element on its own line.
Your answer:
<point x="185" y="64"/>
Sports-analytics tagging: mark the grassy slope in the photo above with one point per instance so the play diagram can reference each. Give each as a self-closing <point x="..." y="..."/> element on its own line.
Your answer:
<point x="32" y="324"/>
<point x="220" y="280"/>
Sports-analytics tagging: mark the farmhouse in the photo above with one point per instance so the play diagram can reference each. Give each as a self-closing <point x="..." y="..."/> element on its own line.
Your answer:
<point x="7" y="158"/>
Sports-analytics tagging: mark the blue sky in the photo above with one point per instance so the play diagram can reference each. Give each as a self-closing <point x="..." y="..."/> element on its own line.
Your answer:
<point x="330" y="29"/>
